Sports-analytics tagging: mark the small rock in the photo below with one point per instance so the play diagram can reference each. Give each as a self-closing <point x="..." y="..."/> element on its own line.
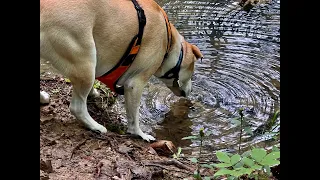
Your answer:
<point x="46" y="118"/>
<point x="44" y="97"/>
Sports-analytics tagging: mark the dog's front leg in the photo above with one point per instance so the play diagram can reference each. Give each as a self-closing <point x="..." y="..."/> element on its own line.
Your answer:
<point x="132" y="92"/>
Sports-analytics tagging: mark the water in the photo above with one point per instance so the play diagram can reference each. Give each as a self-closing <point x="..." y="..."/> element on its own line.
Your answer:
<point x="240" y="69"/>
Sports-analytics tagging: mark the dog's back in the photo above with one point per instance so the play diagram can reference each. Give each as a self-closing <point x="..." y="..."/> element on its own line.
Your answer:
<point x="78" y="30"/>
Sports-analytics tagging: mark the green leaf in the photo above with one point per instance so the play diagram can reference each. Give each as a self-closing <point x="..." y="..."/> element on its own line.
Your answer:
<point x="207" y="178"/>
<point x="273" y="155"/>
<point x="196" y="175"/>
<point x="246" y="154"/>
<point x="238" y="165"/>
<point x="229" y="154"/>
<point x="236" y="173"/>
<point x="248" y="130"/>
<point x="258" y="154"/>
<point x="221" y="165"/>
<point x="194" y="160"/>
<point x="271" y="159"/>
<point x="179" y="151"/>
<point x="190" y="137"/>
<point x="257" y="167"/>
<point x="67" y="80"/>
<point x="206" y="166"/>
<point x="96" y="85"/>
<point x="243" y="171"/>
<point x="235" y="159"/>
<point x="275" y="116"/>
<point x="223" y="172"/>
<point x="248" y="161"/>
<point x="223" y="157"/>
<point x="231" y="178"/>
<point x="275" y="149"/>
<point x="267" y="169"/>
<point x="235" y="122"/>
<point x="270" y="162"/>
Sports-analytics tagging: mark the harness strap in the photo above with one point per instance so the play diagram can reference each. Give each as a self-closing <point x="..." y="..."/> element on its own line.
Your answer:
<point x="169" y="33"/>
<point x="174" y="72"/>
<point x="112" y="77"/>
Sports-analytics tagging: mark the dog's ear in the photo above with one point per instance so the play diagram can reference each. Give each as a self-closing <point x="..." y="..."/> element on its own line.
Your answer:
<point x="196" y="51"/>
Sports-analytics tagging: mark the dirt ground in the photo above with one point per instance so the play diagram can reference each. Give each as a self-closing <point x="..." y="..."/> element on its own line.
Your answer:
<point x="70" y="151"/>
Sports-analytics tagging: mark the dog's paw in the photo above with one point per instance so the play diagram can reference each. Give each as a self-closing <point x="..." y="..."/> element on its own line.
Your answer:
<point x="147" y="137"/>
<point x="44" y="97"/>
<point x="99" y="128"/>
<point x="144" y="136"/>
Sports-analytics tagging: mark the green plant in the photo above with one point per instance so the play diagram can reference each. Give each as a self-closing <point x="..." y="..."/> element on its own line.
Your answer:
<point x="177" y="155"/>
<point x="200" y="137"/>
<point x="256" y="160"/>
<point x="254" y="163"/>
<point x="97" y="84"/>
<point x="67" y="80"/>
<point x="239" y="121"/>
<point x="275" y="135"/>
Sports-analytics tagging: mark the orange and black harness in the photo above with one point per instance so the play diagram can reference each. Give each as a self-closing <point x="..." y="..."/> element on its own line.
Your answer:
<point x="112" y="77"/>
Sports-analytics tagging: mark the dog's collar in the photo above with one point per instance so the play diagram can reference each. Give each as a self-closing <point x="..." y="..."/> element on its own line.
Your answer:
<point x="174" y="72"/>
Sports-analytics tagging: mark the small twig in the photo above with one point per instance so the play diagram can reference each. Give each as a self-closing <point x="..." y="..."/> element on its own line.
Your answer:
<point x="198" y="167"/>
<point x="241" y="120"/>
<point x="124" y="153"/>
<point x="98" y="169"/>
<point x="47" y="78"/>
<point x="168" y="169"/>
<point x="77" y="147"/>
<point x="174" y="162"/>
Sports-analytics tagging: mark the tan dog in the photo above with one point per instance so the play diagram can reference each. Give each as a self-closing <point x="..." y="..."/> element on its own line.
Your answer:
<point x="84" y="39"/>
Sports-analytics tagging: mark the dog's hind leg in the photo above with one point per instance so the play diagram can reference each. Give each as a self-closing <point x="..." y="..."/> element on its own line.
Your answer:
<point x="82" y="86"/>
<point x="75" y="58"/>
<point x="133" y="91"/>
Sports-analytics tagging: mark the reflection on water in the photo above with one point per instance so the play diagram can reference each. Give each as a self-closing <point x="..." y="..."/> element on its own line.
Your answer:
<point x="240" y="69"/>
<point x="177" y="123"/>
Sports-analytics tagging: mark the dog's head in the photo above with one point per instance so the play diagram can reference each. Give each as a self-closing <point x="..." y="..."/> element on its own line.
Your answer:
<point x="178" y="78"/>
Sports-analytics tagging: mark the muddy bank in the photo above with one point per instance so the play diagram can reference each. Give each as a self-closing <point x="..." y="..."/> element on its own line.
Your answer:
<point x="69" y="151"/>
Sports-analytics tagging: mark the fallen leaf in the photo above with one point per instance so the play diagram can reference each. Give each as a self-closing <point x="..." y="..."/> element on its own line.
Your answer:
<point x="163" y="147"/>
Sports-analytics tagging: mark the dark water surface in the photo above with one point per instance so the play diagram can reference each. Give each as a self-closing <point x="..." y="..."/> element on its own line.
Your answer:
<point x="240" y="69"/>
